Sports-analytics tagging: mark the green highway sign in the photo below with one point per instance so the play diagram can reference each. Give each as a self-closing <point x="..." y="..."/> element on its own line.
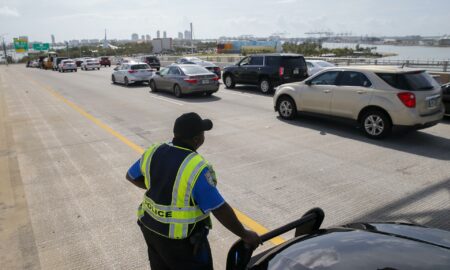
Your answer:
<point x="20" y="45"/>
<point x="41" y="46"/>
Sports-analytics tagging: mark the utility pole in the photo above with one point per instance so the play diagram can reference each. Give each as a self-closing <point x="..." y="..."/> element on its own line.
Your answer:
<point x="4" y="51"/>
<point x="67" y="49"/>
<point x="192" y="39"/>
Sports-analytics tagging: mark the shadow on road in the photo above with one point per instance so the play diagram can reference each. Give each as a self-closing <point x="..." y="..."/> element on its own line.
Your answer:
<point x="436" y="218"/>
<point x="192" y="98"/>
<point x="134" y="85"/>
<point x="414" y="142"/>
<point x="248" y="89"/>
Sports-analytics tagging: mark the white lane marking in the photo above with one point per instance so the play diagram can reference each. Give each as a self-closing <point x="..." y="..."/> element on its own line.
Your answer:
<point x="238" y="93"/>
<point x="167" y="100"/>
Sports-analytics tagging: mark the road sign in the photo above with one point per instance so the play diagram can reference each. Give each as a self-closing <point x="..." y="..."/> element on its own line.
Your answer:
<point x="20" y="45"/>
<point x="41" y="46"/>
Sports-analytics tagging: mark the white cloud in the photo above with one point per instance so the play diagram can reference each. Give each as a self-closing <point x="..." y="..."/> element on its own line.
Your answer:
<point x="6" y="11"/>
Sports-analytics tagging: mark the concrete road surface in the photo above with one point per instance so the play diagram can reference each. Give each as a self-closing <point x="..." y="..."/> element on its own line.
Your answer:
<point x="67" y="140"/>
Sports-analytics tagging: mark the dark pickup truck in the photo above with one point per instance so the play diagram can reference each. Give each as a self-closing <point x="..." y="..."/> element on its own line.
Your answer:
<point x="104" y="61"/>
<point x="266" y="71"/>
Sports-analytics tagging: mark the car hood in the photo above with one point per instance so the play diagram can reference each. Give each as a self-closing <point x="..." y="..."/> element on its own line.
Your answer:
<point x="363" y="246"/>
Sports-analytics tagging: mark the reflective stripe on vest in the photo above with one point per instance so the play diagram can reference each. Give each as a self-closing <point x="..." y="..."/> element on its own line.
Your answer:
<point x="180" y="214"/>
<point x="145" y="163"/>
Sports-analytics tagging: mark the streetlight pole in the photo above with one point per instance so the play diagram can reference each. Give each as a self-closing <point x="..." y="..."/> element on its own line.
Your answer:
<point x="4" y="48"/>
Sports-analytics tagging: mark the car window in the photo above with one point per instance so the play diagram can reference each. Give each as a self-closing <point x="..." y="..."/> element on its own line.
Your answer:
<point x="140" y="66"/>
<point x="292" y="62"/>
<point x="327" y="78"/>
<point x="272" y="61"/>
<point x="244" y="61"/>
<point x="174" y="71"/>
<point x="414" y="81"/>
<point x="256" y="61"/>
<point x="164" y="71"/>
<point x="352" y="78"/>
<point x="310" y="65"/>
<point x="192" y="70"/>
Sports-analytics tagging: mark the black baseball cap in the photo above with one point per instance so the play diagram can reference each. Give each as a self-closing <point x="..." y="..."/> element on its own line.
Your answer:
<point x="190" y="125"/>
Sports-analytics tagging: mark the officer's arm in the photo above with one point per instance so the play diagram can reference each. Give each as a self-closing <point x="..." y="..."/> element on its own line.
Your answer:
<point x="227" y="217"/>
<point x="139" y="182"/>
<point x="134" y="175"/>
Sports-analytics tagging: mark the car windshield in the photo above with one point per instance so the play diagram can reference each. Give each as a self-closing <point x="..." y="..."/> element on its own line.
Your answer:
<point x="140" y="66"/>
<point x="194" y="60"/>
<point x="192" y="70"/>
<point x="414" y="81"/>
<point x="91" y="61"/>
<point x="68" y="62"/>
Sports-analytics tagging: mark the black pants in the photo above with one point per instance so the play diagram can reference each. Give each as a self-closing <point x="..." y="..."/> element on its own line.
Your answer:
<point x="171" y="254"/>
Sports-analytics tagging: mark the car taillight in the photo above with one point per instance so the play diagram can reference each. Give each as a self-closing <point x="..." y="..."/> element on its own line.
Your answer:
<point x="215" y="78"/>
<point x="408" y="99"/>
<point x="191" y="80"/>
<point x="132" y="71"/>
<point x="281" y="71"/>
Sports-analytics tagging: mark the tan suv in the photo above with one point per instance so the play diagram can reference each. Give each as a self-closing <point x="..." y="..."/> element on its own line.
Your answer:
<point x="377" y="97"/>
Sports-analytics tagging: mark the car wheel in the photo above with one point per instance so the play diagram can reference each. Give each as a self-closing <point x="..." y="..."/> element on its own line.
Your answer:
<point x="229" y="81"/>
<point x="126" y="82"/>
<point x="376" y="124"/>
<point x="208" y="94"/>
<point x="75" y="70"/>
<point x="98" y="68"/>
<point x="177" y="91"/>
<point x="113" y="79"/>
<point x="265" y="86"/>
<point x="153" y="86"/>
<point x="286" y="108"/>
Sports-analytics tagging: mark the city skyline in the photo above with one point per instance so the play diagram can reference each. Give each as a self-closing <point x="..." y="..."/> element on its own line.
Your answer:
<point x="291" y="18"/>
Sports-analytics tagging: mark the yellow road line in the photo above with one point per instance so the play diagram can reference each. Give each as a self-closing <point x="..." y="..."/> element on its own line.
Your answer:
<point x="246" y="220"/>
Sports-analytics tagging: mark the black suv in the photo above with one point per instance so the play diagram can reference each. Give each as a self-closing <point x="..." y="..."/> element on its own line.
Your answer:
<point x="266" y="70"/>
<point x="152" y="61"/>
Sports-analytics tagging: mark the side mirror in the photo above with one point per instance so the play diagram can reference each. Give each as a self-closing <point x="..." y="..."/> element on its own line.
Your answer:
<point x="116" y="68"/>
<point x="308" y="83"/>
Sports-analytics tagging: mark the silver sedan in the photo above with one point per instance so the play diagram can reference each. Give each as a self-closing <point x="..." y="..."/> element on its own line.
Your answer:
<point x="185" y="79"/>
<point x="132" y="73"/>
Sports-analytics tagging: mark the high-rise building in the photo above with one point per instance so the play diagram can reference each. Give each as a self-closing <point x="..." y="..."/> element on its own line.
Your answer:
<point x="187" y="35"/>
<point x="143" y="37"/>
<point x="105" y="41"/>
<point x="134" y="37"/>
<point x="164" y="34"/>
<point x="180" y="35"/>
<point x="158" y="34"/>
<point x="147" y="37"/>
<point x="53" y="39"/>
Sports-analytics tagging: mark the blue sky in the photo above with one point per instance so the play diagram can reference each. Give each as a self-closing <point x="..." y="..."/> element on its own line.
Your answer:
<point x="88" y="18"/>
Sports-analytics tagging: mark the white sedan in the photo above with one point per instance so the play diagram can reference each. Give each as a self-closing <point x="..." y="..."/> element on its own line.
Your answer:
<point x="90" y="63"/>
<point x="315" y="66"/>
<point x="132" y="73"/>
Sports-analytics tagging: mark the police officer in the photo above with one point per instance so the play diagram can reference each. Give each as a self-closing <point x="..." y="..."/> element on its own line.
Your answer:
<point x="180" y="194"/>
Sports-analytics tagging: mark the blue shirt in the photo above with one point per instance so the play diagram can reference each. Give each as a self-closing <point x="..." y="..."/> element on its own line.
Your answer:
<point x="205" y="195"/>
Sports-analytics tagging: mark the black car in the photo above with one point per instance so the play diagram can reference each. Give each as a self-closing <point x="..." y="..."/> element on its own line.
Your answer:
<point x="152" y="61"/>
<point x="197" y="61"/>
<point x="354" y="246"/>
<point x="266" y="70"/>
<point x="446" y="97"/>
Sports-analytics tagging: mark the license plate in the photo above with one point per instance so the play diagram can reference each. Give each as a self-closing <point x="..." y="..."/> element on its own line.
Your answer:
<point x="205" y="81"/>
<point x="296" y="71"/>
<point x="432" y="103"/>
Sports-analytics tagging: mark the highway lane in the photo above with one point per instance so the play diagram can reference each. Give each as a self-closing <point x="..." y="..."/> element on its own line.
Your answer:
<point x="271" y="170"/>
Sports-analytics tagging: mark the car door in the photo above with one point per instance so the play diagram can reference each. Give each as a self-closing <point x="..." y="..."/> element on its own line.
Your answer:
<point x="315" y="95"/>
<point x="252" y="70"/>
<point x="122" y="72"/>
<point x="160" y="79"/>
<point x="351" y="94"/>
<point x="173" y="75"/>
<point x="241" y="69"/>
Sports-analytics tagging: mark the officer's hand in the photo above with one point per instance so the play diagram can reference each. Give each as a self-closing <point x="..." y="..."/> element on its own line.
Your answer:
<point x="252" y="239"/>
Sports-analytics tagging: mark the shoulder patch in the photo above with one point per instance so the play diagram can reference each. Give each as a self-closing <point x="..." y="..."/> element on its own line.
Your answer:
<point x="211" y="178"/>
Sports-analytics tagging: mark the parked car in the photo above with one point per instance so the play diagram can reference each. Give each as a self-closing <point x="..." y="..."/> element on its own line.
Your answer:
<point x="56" y="61"/>
<point x="377" y="97"/>
<point x="363" y="245"/>
<point x="197" y="61"/>
<point x="152" y="61"/>
<point x="67" y="65"/>
<point x="315" y="66"/>
<point x="185" y="79"/>
<point x="131" y="73"/>
<point x="90" y="63"/>
<point x="266" y="71"/>
<point x="446" y="97"/>
<point x="104" y="61"/>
